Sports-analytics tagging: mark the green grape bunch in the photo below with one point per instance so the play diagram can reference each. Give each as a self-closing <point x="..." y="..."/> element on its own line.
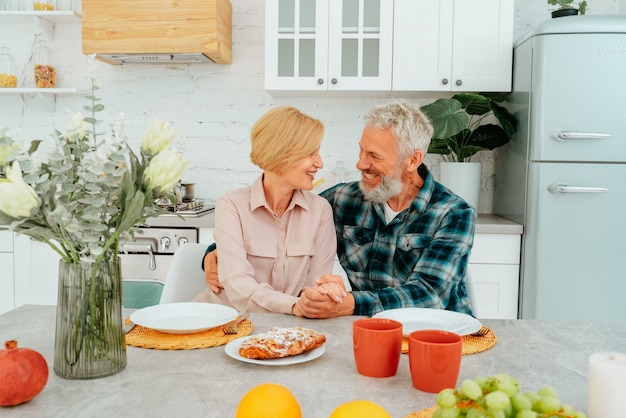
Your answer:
<point x="500" y="396"/>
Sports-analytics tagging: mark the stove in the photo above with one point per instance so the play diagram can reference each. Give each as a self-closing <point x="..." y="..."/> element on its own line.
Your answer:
<point x="190" y="208"/>
<point x="146" y="260"/>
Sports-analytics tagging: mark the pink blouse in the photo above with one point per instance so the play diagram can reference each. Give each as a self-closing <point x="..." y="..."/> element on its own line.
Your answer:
<point x="264" y="261"/>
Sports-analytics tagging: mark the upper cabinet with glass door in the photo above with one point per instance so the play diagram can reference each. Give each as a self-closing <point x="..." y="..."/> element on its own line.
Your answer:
<point x="453" y="45"/>
<point x="328" y="44"/>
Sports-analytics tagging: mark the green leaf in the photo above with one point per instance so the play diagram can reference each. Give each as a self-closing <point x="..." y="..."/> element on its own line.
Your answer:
<point x="505" y="118"/>
<point x="438" y="146"/>
<point x="488" y="137"/>
<point x="33" y="146"/>
<point x="446" y="116"/>
<point x="474" y="104"/>
<point x="132" y="212"/>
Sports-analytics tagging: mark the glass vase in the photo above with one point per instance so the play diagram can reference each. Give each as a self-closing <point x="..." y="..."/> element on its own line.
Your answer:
<point x="89" y="340"/>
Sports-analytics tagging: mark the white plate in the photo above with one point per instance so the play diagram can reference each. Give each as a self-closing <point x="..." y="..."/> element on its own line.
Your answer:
<point x="184" y="317"/>
<point x="232" y="349"/>
<point x="414" y="319"/>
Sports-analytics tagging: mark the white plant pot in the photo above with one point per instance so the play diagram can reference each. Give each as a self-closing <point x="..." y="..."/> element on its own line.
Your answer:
<point x="463" y="179"/>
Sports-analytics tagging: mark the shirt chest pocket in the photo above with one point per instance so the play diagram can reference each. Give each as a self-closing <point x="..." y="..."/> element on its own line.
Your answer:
<point x="412" y="242"/>
<point x="269" y="250"/>
<point x="357" y="235"/>
<point x="301" y="249"/>
<point x="409" y="249"/>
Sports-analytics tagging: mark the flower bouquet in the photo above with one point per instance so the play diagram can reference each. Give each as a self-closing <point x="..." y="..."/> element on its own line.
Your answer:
<point x="91" y="193"/>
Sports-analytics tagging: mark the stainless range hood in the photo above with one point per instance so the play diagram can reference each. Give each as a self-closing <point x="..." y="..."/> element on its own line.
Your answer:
<point x="153" y="58"/>
<point x="158" y="31"/>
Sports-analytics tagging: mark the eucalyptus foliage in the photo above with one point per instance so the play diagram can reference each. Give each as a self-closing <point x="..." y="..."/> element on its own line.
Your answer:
<point x="91" y="192"/>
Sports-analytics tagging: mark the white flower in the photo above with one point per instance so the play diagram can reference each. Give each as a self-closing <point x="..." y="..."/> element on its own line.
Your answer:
<point x="165" y="170"/>
<point x="17" y="199"/>
<point x="76" y="127"/>
<point x="92" y="190"/>
<point x="159" y="137"/>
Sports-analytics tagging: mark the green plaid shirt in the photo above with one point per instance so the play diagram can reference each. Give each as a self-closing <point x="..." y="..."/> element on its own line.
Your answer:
<point x="419" y="259"/>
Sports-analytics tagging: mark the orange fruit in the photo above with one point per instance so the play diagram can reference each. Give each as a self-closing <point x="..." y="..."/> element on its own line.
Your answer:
<point x="360" y="409"/>
<point x="268" y="400"/>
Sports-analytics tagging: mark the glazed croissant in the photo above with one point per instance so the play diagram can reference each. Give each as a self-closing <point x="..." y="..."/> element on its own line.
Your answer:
<point x="281" y="342"/>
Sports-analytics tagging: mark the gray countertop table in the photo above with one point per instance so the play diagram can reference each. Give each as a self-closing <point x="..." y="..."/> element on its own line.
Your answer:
<point x="208" y="383"/>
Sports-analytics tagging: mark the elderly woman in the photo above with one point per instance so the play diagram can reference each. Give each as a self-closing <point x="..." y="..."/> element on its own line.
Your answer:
<point x="275" y="237"/>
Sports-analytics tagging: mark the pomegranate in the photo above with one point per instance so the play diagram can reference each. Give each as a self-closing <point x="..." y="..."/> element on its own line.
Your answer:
<point x="23" y="374"/>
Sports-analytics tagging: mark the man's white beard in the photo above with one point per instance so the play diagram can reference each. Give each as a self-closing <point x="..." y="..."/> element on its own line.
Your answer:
<point x="387" y="188"/>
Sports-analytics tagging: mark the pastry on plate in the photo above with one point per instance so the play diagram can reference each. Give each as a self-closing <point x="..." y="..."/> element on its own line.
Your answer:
<point x="281" y="342"/>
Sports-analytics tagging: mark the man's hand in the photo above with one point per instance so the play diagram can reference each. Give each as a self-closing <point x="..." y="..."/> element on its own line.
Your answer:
<point x="210" y="272"/>
<point x="328" y="300"/>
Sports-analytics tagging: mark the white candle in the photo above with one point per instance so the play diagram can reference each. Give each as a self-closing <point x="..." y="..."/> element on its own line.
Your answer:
<point x="607" y="385"/>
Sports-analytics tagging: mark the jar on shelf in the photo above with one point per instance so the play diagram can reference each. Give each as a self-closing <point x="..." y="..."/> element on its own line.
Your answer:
<point x="8" y="73"/>
<point x="45" y="74"/>
<point x="43" y="5"/>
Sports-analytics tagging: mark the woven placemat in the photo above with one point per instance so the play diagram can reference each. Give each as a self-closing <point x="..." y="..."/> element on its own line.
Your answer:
<point x="471" y="343"/>
<point x="149" y="338"/>
<point x="424" y="413"/>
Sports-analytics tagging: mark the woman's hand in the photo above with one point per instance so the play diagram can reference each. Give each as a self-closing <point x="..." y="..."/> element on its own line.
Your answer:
<point x="210" y="272"/>
<point x="333" y="286"/>
<point x="328" y="299"/>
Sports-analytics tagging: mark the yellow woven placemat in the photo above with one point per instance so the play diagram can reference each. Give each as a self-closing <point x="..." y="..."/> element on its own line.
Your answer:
<point x="149" y="338"/>
<point x="471" y="343"/>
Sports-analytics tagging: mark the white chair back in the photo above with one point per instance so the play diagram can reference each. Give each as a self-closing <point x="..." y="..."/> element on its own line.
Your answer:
<point x="185" y="278"/>
<point x="471" y="293"/>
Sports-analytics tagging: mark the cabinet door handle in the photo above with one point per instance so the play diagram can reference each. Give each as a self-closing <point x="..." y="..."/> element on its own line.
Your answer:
<point x="564" y="188"/>
<point x="444" y="81"/>
<point x="320" y="81"/>
<point x="334" y="81"/>
<point x="459" y="82"/>
<point x="566" y="135"/>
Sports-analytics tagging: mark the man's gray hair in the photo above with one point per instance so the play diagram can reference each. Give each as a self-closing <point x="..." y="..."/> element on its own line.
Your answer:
<point x="410" y="126"/>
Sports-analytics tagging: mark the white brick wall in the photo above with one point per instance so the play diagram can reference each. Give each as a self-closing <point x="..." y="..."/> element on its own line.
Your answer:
<point x="212" y="106"/>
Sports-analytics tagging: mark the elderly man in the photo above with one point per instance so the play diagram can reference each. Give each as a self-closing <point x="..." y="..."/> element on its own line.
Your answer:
<point x="403" y="239"/>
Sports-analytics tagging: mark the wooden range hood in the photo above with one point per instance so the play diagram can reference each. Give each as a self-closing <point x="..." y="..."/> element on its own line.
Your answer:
<point x="158" y="31"/>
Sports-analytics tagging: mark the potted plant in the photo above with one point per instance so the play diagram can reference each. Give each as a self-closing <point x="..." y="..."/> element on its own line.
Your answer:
<point x="566" y="8"/>
<point x="460" y="132"/>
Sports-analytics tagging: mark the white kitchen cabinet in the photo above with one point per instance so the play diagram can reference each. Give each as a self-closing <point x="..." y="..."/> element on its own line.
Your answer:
<point x="453" y="45"/>
<point x="7" y="302"/>
<point x="36" y="272"/>
<point x="318" y="45"/>
<point x="494" y="273"/>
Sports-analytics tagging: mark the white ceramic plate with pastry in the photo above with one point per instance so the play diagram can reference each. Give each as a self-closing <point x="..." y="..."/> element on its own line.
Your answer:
<point x="232" y="350"/>
<point x="183" y="317"/>
<point x="414" y="319"/>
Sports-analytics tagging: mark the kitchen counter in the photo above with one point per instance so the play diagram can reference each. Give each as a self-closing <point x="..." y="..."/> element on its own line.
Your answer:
<point x="492" y="224"/>
<point x="486" y="223"/>
<point x="208" y="383"/>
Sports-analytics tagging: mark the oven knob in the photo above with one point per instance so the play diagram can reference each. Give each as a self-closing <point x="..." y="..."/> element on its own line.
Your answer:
<point x="182" y="240"/>
<point x="165" y="243"/>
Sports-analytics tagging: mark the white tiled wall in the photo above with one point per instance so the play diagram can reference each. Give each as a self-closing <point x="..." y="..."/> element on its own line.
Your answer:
<point x="212" y="106"/>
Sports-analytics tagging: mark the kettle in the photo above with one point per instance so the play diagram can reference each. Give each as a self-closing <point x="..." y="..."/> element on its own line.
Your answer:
<point x="188" y="192"/>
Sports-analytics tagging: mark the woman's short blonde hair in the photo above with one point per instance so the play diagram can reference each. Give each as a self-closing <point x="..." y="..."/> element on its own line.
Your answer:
<point x="282" y="137"/>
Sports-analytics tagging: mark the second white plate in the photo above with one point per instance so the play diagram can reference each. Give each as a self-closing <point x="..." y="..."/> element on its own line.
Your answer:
<point x="183" y="317"/>
<point x="414" y="319"/>
<point x="232" y="350"/>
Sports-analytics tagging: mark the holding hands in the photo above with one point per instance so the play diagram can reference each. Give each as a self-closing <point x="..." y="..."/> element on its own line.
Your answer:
<point x="328" y="299"/>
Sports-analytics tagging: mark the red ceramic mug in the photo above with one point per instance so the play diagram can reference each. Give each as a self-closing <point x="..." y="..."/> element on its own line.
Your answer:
<point x="377" y="344"/>
<point x="434" y="359"/>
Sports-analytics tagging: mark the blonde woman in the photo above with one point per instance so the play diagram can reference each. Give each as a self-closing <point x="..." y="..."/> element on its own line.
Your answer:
<point x="275" y="237"/>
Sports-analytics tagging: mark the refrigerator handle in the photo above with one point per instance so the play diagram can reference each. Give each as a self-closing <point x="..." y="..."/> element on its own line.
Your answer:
<point x="566" y="135"/>
<point x="564" y="188"/>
